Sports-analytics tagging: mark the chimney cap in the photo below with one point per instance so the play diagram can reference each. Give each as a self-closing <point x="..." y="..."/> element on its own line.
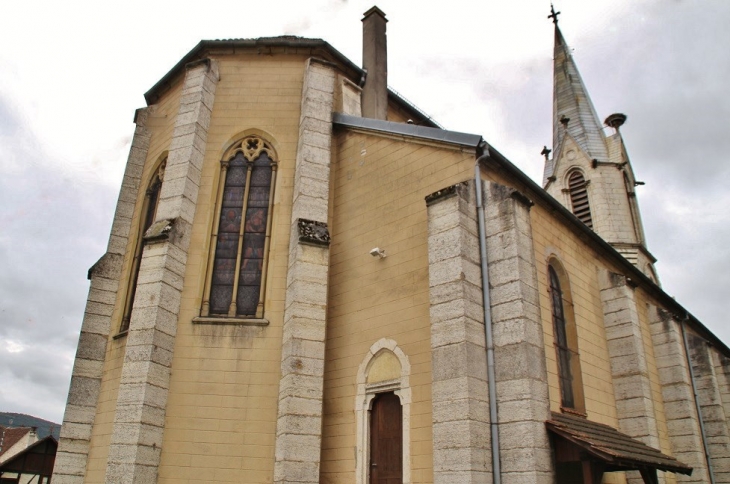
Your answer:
<point x="373" y="10"/>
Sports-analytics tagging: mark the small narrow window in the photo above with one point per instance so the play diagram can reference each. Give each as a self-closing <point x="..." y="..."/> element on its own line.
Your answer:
<point x="579" y="198"/>
<point x="147" y="218"/>
<point x="241" y="232"/>
<point x="566" y="346"/>
<point x="561" y="341"/>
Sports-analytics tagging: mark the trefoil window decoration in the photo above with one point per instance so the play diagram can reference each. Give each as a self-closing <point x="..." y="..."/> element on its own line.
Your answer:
<point x="236" y="278"/>
<point x="147" y="218"/>
<point x="578" y="188"/>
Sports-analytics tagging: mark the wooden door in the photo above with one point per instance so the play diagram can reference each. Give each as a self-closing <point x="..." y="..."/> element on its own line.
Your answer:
<point x="386" y="440"/>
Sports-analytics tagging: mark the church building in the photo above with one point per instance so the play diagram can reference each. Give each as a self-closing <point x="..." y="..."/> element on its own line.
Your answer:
<point x="308" y="280"/>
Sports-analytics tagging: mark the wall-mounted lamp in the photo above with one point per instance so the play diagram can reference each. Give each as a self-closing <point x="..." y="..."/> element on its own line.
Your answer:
<point x="378" y="252"/>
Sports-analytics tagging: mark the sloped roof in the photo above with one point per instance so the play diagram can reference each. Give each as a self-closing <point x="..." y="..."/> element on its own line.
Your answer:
<point x="9" y="436"/>
<point x="411" y="130"/>
<point x="292" y="44"/>
<point x="611" y="446"/>
<point x="571" y="99"/>
<point x="37" y="459"/>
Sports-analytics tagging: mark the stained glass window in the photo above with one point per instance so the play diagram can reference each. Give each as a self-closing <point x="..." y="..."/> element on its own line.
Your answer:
<point x="241" y="241"/>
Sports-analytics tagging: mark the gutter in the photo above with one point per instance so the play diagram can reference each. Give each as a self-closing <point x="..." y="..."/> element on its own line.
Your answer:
<point x="697" y="404"/>
<point x="491" y="377"/>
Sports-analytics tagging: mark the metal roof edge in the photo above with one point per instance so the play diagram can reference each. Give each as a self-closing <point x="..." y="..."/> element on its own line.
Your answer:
<point x="411" y="130"/>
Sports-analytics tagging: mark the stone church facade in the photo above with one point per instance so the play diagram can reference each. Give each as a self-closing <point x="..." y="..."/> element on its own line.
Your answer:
<point x="308" y="280"/>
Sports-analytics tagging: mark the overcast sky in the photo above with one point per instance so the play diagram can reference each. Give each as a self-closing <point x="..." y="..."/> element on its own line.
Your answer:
<point x="72" y="73"/>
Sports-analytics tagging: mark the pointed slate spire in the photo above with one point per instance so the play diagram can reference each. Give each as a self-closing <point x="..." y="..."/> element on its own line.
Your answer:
<point x="573" y="111"/>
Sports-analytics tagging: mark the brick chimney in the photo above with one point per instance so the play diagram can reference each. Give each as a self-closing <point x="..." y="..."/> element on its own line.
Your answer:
<point x="375" y="61"/>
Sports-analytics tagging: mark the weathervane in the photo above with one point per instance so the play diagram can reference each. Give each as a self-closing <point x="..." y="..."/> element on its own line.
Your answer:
<point x="553" y="14"/>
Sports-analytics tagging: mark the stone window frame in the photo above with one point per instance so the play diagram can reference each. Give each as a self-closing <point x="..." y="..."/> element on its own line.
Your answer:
<point x="570" y="330"/>
<point x="366" y="393"/>
<point x="251" y="152"/>
<point x="147" y="216"/>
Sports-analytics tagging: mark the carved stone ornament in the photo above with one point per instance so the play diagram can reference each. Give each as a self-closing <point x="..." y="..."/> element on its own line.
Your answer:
<point x="158" y="231"/>
<point x="311" y="232"/>
<point x="252" y="147"/>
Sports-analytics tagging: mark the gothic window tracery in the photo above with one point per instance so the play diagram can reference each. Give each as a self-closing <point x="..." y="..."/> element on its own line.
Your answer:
<point x="242" y="230"/>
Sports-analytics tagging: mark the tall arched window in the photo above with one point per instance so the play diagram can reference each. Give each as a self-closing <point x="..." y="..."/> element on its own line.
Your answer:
<point x="241" y="233"/>
<point x="566" y="344"/>
<point x="578" y="188"/>
<point x="149" y="210"/>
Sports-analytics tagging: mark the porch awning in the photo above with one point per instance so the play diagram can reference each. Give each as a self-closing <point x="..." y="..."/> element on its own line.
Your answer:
<point x="616" y="449"/>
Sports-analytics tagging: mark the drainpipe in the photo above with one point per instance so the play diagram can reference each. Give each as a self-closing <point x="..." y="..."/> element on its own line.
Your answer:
<point x="491" y="379"/>
<point x="697" y="402"/>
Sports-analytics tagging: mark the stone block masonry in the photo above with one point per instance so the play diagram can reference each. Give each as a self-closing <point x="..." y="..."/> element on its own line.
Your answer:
<point x="711" y="406"/>
<point x="523" y="402"/>
<point x="632" y="387"/>
<point x="461" y="443"/>
<point x="299" y="419"/>
<point x="679" y="406"/>
<point x="73" y="447"/>
<point x="136" y="440"/>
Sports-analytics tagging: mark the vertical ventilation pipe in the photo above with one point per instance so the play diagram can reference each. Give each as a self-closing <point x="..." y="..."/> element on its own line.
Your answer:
<point x="697" y="402"/>
<point x="491" y="379"/>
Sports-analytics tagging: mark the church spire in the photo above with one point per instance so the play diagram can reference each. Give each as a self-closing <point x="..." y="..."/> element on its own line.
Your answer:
<point x="573" y="111"/>
<point x="590" y="171"/>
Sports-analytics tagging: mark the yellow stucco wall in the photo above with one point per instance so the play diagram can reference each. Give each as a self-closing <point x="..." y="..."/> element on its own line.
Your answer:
<point x="379" y="188"/>
<point x="220" y="420"/>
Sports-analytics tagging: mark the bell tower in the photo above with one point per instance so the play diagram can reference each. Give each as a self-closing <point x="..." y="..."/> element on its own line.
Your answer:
<point x="590" y="171"/>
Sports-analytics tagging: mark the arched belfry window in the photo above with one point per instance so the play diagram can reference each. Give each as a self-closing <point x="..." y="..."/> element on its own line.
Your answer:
<point x="241" y="233"/>
<point x="147" y="218"/>
<point x="578" y="188"/>
<point x="565" y="340"/>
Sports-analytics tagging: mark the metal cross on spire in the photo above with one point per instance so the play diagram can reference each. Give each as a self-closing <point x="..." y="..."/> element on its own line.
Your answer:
<point x="553" y="14"/>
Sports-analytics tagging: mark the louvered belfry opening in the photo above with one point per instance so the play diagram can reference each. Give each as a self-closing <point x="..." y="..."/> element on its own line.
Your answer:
<point x="579" y="198"/>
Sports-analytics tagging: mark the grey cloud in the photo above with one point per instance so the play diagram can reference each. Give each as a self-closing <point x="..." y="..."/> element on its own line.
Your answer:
<point x="51" y="229"/>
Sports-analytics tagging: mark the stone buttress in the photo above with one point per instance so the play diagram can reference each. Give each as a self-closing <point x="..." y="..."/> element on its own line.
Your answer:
<point x="299" y="420"/>
<point x="631" y="383"/>
<point x="679" y="405"/>
<point x="462" y="445"/>
<point x="136" y="440"/>
<point x="459" y="392"/>
<point x="78" y="420"/>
